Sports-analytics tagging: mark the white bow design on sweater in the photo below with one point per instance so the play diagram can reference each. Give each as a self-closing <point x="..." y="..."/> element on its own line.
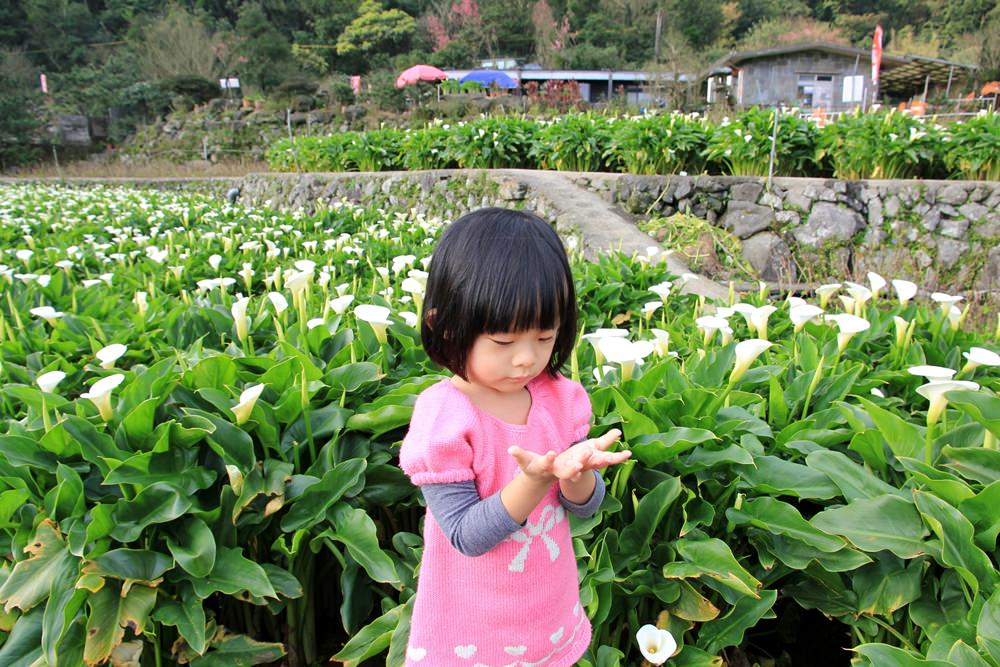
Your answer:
<point x="546" y="522"/>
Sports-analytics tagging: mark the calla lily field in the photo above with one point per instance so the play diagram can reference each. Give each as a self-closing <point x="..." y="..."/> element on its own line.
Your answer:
<point x="202" y="406"/>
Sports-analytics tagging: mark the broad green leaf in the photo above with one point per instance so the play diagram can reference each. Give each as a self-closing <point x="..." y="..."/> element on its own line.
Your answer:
<point x="957" y="548"/>
<point x="351" y="376"/>
<point x="634" y="423"/>
<point x="381" y="420"/>
<point x="371" y="640"/>
<point x="728" y="629"/>
<point x="23" y="451"/>
<point x="192" y="545"/>
<point x="883" y="655"/>
<point x="982" y="407"/>
<point x="64" y="603"/>
<point x="963" y="655"/>
<point x="230" y="442"/>
<point x="975" y="463"/>
<point x="655" y="448"/>
<point x="711" y="558"/>
<point x="157" y="503"/>
<point x="904" y="438"/>
<point x="773" y="475"/>
<point x="96" y="447"/>
<point x="887" y="584"/>
<point x="988" y="627"/>
<point x="356" y="530"/>
<point x="853" y="480"/>
<point x="23" y="646"/>
<point x="234" y="650"/>
<point x="874" y="524"/>
<point x="130" y="565"/>
<point x="799" y="555"/>
<point x="233" y="574"/>
<point x="777" y="407"/>
<point x="693" y="606"/>
<point x="637" y="536"/>
<point x="781" y="518"/>
<point x="187" y="615"/>
<point x="216" y="372"/>
<point x="310" y="508"/>
<point x="66" y="499"/>
<point x="981" y="510"/>
<point x="31" y="579"/>
<point x="171" y="468"/>
<point x="110" y="612"/>
<point x="692" y="656"/>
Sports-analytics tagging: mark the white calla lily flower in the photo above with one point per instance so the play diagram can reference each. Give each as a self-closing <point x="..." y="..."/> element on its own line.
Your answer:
<point x="595" y="337"/>
<point x="141" y="303"/>
<point x="932" y="373"/>
<point x="47" y="313"/>
<point x="248" y="399"/>
<point x="655" y="644"/>
<point x="48" y="381"/>
<point x="709" y="324"/>
<point x="109" y="354"/>
<point x="979" y="356"/>
<point x="802" y="315"/>
<point x="279" y="302"/>
<point x="239" y="311"/>
<point x="662" y="290"/>
<point x="100" y="394"/>
<point x="876" y="282"/>
<point x="625" y="353"/>
<point x="747" y="352"/>
<point x="848" y="326"/>
<point x="937" y="394"/>
<point x="905" y="290"/>
<point x="377" y="317"/>
<point x="825" y="292"/>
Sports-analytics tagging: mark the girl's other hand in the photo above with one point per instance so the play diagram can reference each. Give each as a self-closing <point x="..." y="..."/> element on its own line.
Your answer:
<point x="536" y="466"/>
<point x="589" y="455"/>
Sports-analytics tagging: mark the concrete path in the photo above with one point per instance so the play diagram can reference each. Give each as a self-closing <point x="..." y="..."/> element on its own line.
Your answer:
<point x="601" y="225"/>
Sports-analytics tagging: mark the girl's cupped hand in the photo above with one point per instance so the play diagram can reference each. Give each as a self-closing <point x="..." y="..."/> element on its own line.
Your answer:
<point x="570" y="464"/>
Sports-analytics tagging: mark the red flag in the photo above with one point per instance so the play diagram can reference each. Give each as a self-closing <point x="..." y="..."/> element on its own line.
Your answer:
<point x="356" y="84"/>
<point x="44" y="81"/>
<point x="876" y="55"/>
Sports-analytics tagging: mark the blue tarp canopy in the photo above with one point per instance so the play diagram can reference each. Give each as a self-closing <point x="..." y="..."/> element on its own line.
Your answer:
<point x="490" y="78"/>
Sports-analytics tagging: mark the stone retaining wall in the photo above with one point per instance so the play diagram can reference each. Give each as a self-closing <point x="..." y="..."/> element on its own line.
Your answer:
<point x="940" y="233"/>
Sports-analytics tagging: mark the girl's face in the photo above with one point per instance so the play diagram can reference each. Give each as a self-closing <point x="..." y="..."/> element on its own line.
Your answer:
<point x="506" y="362"/>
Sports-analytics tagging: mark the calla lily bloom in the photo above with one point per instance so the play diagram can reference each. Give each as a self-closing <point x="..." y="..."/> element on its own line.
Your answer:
<point x="802" y="315"/>
<point x="601" y="371"/>
<point x="747" y="352"/>
<point x="625" y="353"/>
<point x="825" y="292"/>
<point x="661" y="343"/>
<point x="239" y="311"/>
<point x="651" y="307"/>
<point x="955" y="317"/>
<point x="100" y="394"/>
<point x="595" y="339"/>
<point x="409" y="317"/>
<point x="932" y="373"/>
<point x="877" y="282"/>
<point x="945" y="300"/>
<point x="377" y="317"/>
<point x="849" y="325"/>
<point x="861" y="296"/>
<point x="795" y="301"/>
<point x="47" y="313"/>
<point x="902" y="326"/>
<point x="980" y="356"/>
<point x="141" y="303"/>
<point x="109" y="354"/>
<point x="248" y="399"/>
<point x="215" y="261"/>
<point x="937" y="394"/>
<point x="340" y="304"/>
<point x="279" y="302"/>
<point x="709" y="324"/>
<point x="655" y="644"/>
<point x="314" y="322"/>
<point x="48" y="381"/>
<point x="662" y="290"/>
<point x="905" y="290"/>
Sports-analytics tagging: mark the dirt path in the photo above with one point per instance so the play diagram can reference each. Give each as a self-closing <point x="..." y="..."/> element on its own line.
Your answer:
<point x="601" y="225"/>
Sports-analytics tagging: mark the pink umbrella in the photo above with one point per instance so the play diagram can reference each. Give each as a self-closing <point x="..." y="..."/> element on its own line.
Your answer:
<point x="420" y="73"/>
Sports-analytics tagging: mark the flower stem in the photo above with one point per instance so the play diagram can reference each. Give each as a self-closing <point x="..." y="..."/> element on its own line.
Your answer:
<point x="929" y="443"/>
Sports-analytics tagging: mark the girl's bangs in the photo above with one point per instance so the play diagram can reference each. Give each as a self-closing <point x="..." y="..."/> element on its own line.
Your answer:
<point x="533" y="295"/>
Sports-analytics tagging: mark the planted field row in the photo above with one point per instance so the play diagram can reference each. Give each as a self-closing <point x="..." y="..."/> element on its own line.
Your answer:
<point x="880" y="145"/>
<point x="202" y="405"/>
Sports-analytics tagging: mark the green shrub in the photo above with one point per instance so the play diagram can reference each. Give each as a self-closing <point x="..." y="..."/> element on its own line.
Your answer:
<point x="972" y="150"/>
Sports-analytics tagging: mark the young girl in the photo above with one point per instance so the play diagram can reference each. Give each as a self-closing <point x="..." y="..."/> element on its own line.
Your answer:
<point x="492" y="449"/>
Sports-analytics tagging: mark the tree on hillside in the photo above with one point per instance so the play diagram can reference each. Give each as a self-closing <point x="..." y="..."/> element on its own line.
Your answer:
<point x="179" y="43"/>
<point x="551" y="36"/>
<point x="791" y="30"/>
<point x="62" y="30"/>
<point x="266" y="54"/>
<point x="19" y="100"/>
<point x="701" y="22"/>
<point x="376" y="33"/>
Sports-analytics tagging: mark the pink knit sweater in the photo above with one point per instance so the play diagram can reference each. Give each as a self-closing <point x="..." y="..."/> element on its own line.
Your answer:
<point x="518" y="605"/>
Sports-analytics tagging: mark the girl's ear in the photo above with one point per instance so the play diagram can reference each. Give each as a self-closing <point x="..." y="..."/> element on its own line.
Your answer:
<point x="429" y="318"/>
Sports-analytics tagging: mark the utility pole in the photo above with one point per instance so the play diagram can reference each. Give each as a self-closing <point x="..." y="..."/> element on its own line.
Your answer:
<point x="659" y="30"/>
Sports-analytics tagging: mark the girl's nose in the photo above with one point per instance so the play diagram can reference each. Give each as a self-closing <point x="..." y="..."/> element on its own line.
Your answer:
<point x="525" y="356"/>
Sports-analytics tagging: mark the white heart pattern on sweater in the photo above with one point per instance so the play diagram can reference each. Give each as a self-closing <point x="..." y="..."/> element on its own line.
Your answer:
<point x="515" y="650"/>
<point x="416" y="654"/>
<point x="466" y="651"/>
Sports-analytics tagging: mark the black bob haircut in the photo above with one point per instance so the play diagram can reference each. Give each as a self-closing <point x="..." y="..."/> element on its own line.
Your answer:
<point x="497" y="270"/>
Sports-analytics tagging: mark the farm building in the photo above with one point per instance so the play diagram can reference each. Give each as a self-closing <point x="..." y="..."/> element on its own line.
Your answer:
<point x="830" y="76"/>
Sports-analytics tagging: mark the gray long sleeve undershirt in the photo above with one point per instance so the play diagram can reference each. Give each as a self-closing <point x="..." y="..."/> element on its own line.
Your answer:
<point x="475" y="525"/>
